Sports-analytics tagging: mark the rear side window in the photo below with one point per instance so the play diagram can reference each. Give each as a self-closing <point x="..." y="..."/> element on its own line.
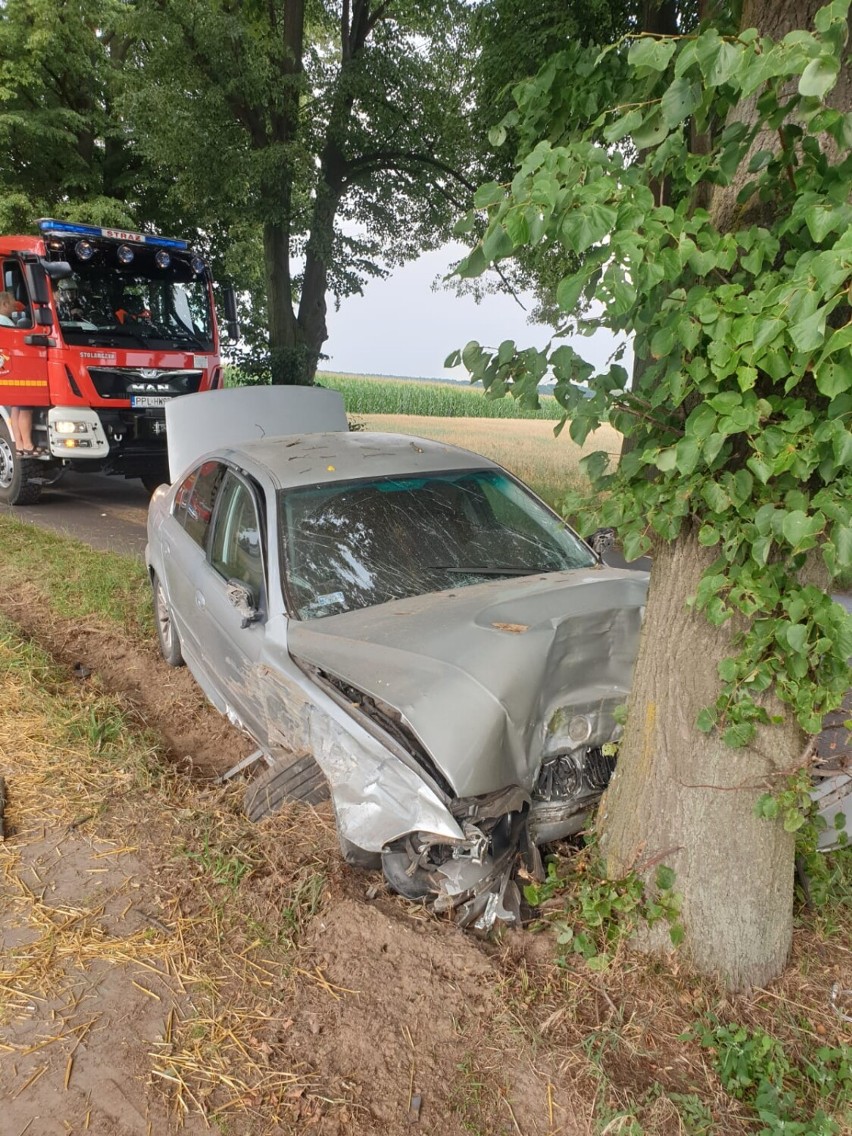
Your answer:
<point x="196" y="498"/>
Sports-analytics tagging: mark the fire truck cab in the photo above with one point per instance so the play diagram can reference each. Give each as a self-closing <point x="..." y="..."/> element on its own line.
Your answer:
<point x="108" y="326"/>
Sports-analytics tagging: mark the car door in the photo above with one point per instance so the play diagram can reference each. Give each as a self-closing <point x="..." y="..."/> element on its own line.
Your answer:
<point x="23" y="366"/>
<point x="183" y="539"/>
<point x="231" y="638"/>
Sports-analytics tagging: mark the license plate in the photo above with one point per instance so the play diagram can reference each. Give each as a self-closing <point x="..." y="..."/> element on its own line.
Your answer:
<point x="148" y="400"/>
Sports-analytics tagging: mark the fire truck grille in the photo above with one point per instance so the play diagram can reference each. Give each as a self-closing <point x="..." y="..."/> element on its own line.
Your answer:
<point x="124" y="382"/>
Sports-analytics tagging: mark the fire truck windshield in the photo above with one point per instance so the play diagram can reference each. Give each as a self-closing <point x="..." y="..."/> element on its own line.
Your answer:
<point x="106" y="306"/>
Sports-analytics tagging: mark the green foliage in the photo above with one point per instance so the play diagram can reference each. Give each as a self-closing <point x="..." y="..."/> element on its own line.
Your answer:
<point x="738" y="416"/>
<point x="328" y="143"/>
<point x="63" y="146"/>
<point x="808" y="1097"/>
<point x="597" y="914"/>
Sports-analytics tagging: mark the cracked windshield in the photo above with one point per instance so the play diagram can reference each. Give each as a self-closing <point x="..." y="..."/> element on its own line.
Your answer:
<point x="356" y="545"/>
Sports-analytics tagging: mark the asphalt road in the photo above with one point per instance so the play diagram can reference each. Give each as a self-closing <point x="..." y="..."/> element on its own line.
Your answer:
<point x="108" y="513"/>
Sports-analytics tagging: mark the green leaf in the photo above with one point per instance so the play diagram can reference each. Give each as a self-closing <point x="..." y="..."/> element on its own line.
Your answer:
<point x="708" y="536"/>
<point x="517" y="226"/>
<point x="652" y="132"/>
<point x="679" y="101"/>
<point x="768" y="331"/>
<point x="588" y="224"/>
<point x="716" y="497"/>
<point x="759" y="468"/>
<point x="819" y="76"/>
<point x="666" y="459"/>
<point x="808" y="334"/>
<point x="797" y="637"/>
<point x="832" y="378"/>
<point x="724" y="65"/>
<point x="688" y="451"/>
<point x="706" y="720"/>
<point x="665" y="878"/>
<point x="650" y="53"/>
<point x="488" y="194"/>
<point x="568" y="292"/>
<point x="497" y="244"/>
<point x="797" y="526"/>
<point x="624" y="125"/>
<point x="739" y="734"/>
<point x="474" y="264"/>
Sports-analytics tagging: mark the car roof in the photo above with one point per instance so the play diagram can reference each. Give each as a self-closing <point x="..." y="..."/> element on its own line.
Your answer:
<point x="326" y="458"/>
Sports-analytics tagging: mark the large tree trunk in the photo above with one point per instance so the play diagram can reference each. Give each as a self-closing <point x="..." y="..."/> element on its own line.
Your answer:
<point x="287" y="351"/>
<point x="684" y="799"/>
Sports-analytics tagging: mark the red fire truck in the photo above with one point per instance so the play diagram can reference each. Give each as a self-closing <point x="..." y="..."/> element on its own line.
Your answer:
<point x="108" y="326"/>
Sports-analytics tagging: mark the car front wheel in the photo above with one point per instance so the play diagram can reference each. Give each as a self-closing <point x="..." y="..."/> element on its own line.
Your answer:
<point x="166" y="631"/>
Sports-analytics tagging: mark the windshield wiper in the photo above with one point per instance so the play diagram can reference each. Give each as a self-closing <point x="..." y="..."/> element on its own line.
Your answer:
<point x="476" y="570"/>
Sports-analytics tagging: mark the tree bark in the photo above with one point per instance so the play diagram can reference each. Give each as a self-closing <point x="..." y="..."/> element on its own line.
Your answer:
<point x="684" y="799"/>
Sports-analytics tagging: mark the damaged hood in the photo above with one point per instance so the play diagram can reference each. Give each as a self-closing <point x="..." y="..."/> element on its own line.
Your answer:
<point x="480" y="673"/>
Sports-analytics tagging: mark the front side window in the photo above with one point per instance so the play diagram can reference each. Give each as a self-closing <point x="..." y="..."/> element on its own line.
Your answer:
<point x="13" y="283"/>
<point x="235" y="546"/>
<point x="358" y="544"/>
<point x="196" y="498"/>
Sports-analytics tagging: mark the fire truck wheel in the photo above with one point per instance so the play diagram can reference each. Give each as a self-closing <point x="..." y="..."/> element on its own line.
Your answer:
<point x="152" y="480"/>
<point x="16" y="488"/>
<point x="166" y="630"/>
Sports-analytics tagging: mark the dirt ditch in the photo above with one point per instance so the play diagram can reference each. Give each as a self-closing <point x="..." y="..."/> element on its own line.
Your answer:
<point x="373" y="1017"/>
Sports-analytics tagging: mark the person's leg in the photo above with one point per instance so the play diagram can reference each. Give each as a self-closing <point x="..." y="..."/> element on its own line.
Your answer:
<point x="22" y="427"/>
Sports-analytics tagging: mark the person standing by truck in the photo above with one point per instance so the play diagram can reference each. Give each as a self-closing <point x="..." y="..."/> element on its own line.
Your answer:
<point x="21" y="417"/>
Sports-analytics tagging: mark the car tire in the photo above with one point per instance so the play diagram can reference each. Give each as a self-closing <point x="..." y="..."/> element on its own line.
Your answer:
<point x="297" y="778"/>
<point x="167" y="635"/>
<point x="16" y="488"/>
<point x="152" y="481"/>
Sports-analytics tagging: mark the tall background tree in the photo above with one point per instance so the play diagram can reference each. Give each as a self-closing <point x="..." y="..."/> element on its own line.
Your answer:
<point x="337" y="133"/>
<point x="738" y="474"/>
<point x="63" y="144"/>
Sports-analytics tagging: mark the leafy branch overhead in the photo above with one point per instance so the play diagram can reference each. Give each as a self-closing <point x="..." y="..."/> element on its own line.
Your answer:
<point x="738" y="297"/>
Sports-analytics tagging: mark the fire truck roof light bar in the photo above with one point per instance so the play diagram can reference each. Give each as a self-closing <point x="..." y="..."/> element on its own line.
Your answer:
<point x="48" y="226"/>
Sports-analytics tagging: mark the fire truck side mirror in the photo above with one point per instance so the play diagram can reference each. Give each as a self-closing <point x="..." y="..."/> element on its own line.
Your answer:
<point x="232" y="321"/>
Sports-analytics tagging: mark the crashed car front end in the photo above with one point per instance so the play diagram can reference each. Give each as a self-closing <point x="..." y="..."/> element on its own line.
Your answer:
<point x="500" y="701"/>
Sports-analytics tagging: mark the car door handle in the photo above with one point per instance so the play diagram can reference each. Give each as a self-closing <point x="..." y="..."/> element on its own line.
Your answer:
<point x="200" y="601"/>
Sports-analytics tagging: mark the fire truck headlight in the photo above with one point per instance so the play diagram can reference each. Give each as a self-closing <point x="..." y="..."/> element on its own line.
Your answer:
<point x="197" y="265"/>
<point x="162" y="259"/>
<point x="69" y="426"/>
<point x="84" y="250"/>
<point x="124" y="254"/>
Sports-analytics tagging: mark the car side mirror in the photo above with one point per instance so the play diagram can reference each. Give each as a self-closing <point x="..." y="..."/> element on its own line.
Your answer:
<point x="601" y="540"/>
<point x="242" y="599"/>
<point x="232" y="322"/>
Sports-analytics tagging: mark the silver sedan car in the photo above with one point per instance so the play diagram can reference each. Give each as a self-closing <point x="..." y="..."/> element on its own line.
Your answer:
<point x="400" y="624"/>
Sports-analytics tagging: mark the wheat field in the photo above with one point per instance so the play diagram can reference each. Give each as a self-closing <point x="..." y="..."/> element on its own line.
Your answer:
<point x="526" y="447"/>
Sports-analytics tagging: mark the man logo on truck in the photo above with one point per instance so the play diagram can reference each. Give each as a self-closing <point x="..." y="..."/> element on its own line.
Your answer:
<point x="110" y="326"/>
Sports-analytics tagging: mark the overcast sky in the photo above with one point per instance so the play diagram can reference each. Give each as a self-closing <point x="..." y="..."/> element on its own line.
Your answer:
<point x="400" y="326"/>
